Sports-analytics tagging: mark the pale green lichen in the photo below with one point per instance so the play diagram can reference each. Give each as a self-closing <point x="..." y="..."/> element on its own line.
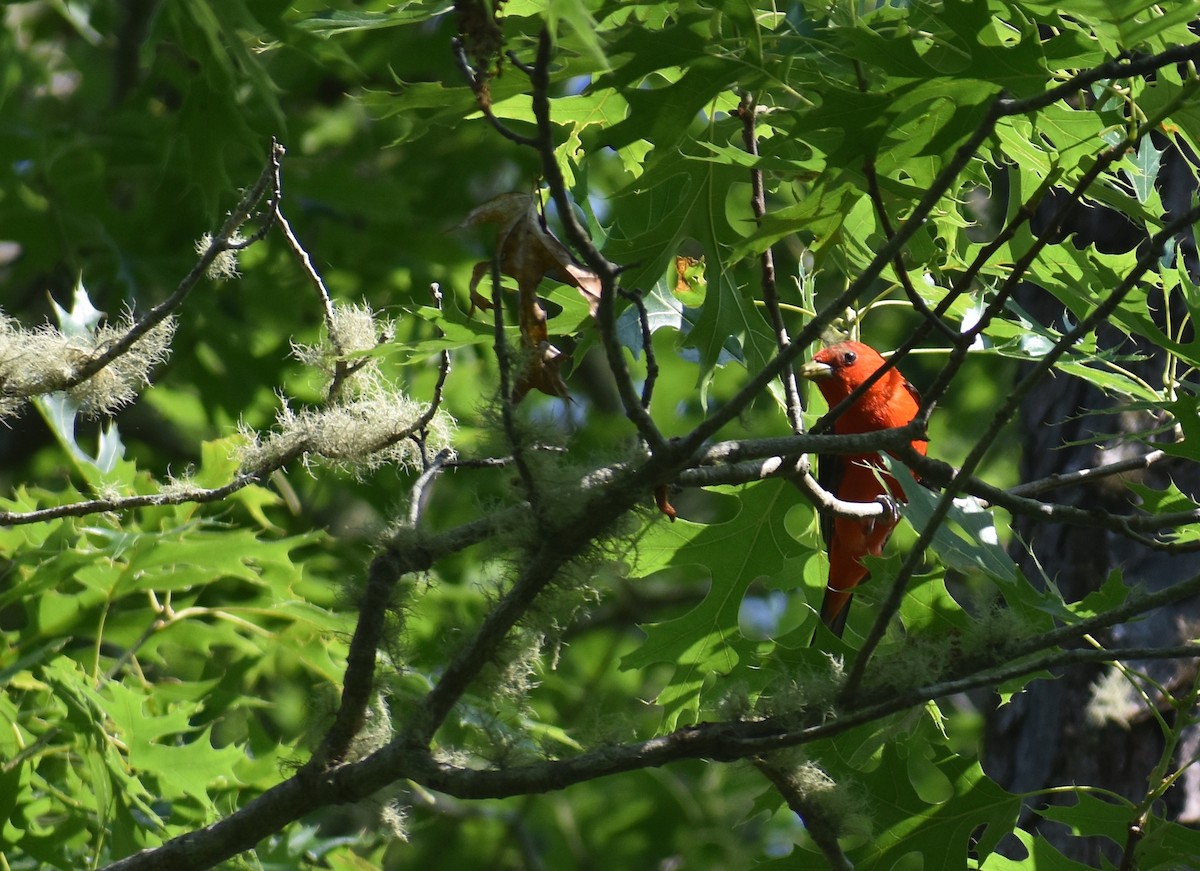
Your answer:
<point x="840" y="807"/>
<point x="375" y="732"/>
<point x="43" y="360"/>
<point x="519" y="675"/>
<point x="359" y="435"/>
<point x="394" y="818"/>
<point x="355" y="331"/>
<point x="32" y="362"/>
<point x="1113" y="700"/>
<point x="224" y="264"/>
<point x="118" y="383"/>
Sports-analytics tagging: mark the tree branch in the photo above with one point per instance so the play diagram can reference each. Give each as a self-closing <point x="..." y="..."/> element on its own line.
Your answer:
<point x="886" y="253"/>
<point x="606" y="496"/>
<point x="406" y="757"/>
<point x="821" y="827"/>
<point x="931" y="318"/>
<point x="221" y="242"/>
<point x="647" y="345"/>
<point x="401" y="557"/>
<point x="1147" y="258"/>
<point x="1001" y="107"/>
<point x="478" y="83"/>
<point x="504" y="365"/>
<point x="961" y="286"/>
<point x="747" y="113"/>
<point x="1080" y="476"/>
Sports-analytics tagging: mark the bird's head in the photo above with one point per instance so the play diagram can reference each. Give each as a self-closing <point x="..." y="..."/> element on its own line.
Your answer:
<point x="840" y="368"/>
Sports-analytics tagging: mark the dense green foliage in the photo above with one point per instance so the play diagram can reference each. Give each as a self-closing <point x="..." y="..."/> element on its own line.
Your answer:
<point x="167" y="662"/>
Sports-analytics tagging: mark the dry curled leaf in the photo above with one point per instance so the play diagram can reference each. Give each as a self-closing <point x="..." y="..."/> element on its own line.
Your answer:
<point x="542" y="371"/>
<point x="529" y="252"/>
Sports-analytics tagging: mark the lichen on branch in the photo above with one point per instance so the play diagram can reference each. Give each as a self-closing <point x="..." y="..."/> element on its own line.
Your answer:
<point x="359" y="435"/>
<point x="34" y="362"/>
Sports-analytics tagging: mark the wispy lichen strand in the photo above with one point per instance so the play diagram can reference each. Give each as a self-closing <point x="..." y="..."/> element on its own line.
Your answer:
<point x="37" y="361"/>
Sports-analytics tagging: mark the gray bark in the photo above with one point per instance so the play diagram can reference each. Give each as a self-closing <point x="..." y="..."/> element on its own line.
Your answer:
<point x="1086" y="727"/>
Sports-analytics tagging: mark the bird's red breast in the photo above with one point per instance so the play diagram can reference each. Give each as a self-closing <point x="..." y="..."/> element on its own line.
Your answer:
<point x="890" y="402"/>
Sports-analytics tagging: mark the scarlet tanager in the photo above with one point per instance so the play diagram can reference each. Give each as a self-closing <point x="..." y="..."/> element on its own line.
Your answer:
<point x="889" y="402"/>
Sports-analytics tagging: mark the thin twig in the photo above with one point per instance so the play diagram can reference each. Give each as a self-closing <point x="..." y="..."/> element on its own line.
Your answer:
<point x="175" y="496"/>
<point x="604" y="269"/>
<point x="876" y="195"/>
<point x="562" y="538"/>
<point x="499" y="462"/>
<point x="1079" y="476"/>
<point x="1138" y="527"/>
<point x="983" y="444"/>
<point x="647" y="345"/>
<point x="409" y="756"/>
<point x="309" y="789"/>
<point x="184" y="494"/>
<point x="733" y="740"/>
<point x="439" y="386"/>
<point x="420" y="487"/>
<point x="748" y="114"/>
<point x="745" y="461"/>
<point x="504" y="365"/>
<point x="309" y="269"/>
<point x="478" y="87"/>
<point x="961" y="286"/>
<point x="812" y="330"/>
<point x="223" y="241"/>
<point x="343" y="368"/>
<point x="274" y="195"/>
<point x="1001" y="107"/>
<point x="156" y="315"/>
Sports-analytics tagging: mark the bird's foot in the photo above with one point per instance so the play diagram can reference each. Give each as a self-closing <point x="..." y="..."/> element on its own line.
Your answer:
<point x="891" y="508"/>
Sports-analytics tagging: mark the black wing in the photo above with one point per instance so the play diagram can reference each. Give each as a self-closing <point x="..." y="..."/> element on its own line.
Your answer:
<point x="830" y="470"/>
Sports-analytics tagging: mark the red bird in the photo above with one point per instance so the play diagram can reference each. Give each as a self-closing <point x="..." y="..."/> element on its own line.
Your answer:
<point x="889" y="402"/>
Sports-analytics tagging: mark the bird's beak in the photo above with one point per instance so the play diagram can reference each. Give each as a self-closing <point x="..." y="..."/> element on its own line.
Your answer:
<point x="814" y="371"/>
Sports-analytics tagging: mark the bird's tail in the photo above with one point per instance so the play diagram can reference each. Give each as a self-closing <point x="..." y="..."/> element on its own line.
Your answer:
<point x="835" y="608"/>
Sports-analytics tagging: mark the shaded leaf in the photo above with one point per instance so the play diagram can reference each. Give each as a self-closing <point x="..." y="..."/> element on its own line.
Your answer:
<point x="707" y="640"/>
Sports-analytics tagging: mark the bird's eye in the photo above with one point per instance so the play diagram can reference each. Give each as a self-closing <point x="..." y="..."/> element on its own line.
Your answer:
<point x="849" y="357"/>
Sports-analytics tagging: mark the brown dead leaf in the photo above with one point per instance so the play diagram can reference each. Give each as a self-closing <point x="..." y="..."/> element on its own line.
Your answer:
<point x="529" y="252"/>
<point x="582" y="279"/>
<point x="478" y="300"/>
<point x="542" y="371"/>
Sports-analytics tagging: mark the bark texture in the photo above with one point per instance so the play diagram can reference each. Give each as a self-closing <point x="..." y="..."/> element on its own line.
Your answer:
<point x="1087" y="726"/>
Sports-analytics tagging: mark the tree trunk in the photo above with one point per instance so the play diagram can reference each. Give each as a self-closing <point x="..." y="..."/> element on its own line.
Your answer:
<point x="1090" y="726"/>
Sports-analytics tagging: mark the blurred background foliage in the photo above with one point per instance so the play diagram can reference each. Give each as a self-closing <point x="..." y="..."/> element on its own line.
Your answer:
<point x="127" y="130"/>
<point x="164" y="666"/>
